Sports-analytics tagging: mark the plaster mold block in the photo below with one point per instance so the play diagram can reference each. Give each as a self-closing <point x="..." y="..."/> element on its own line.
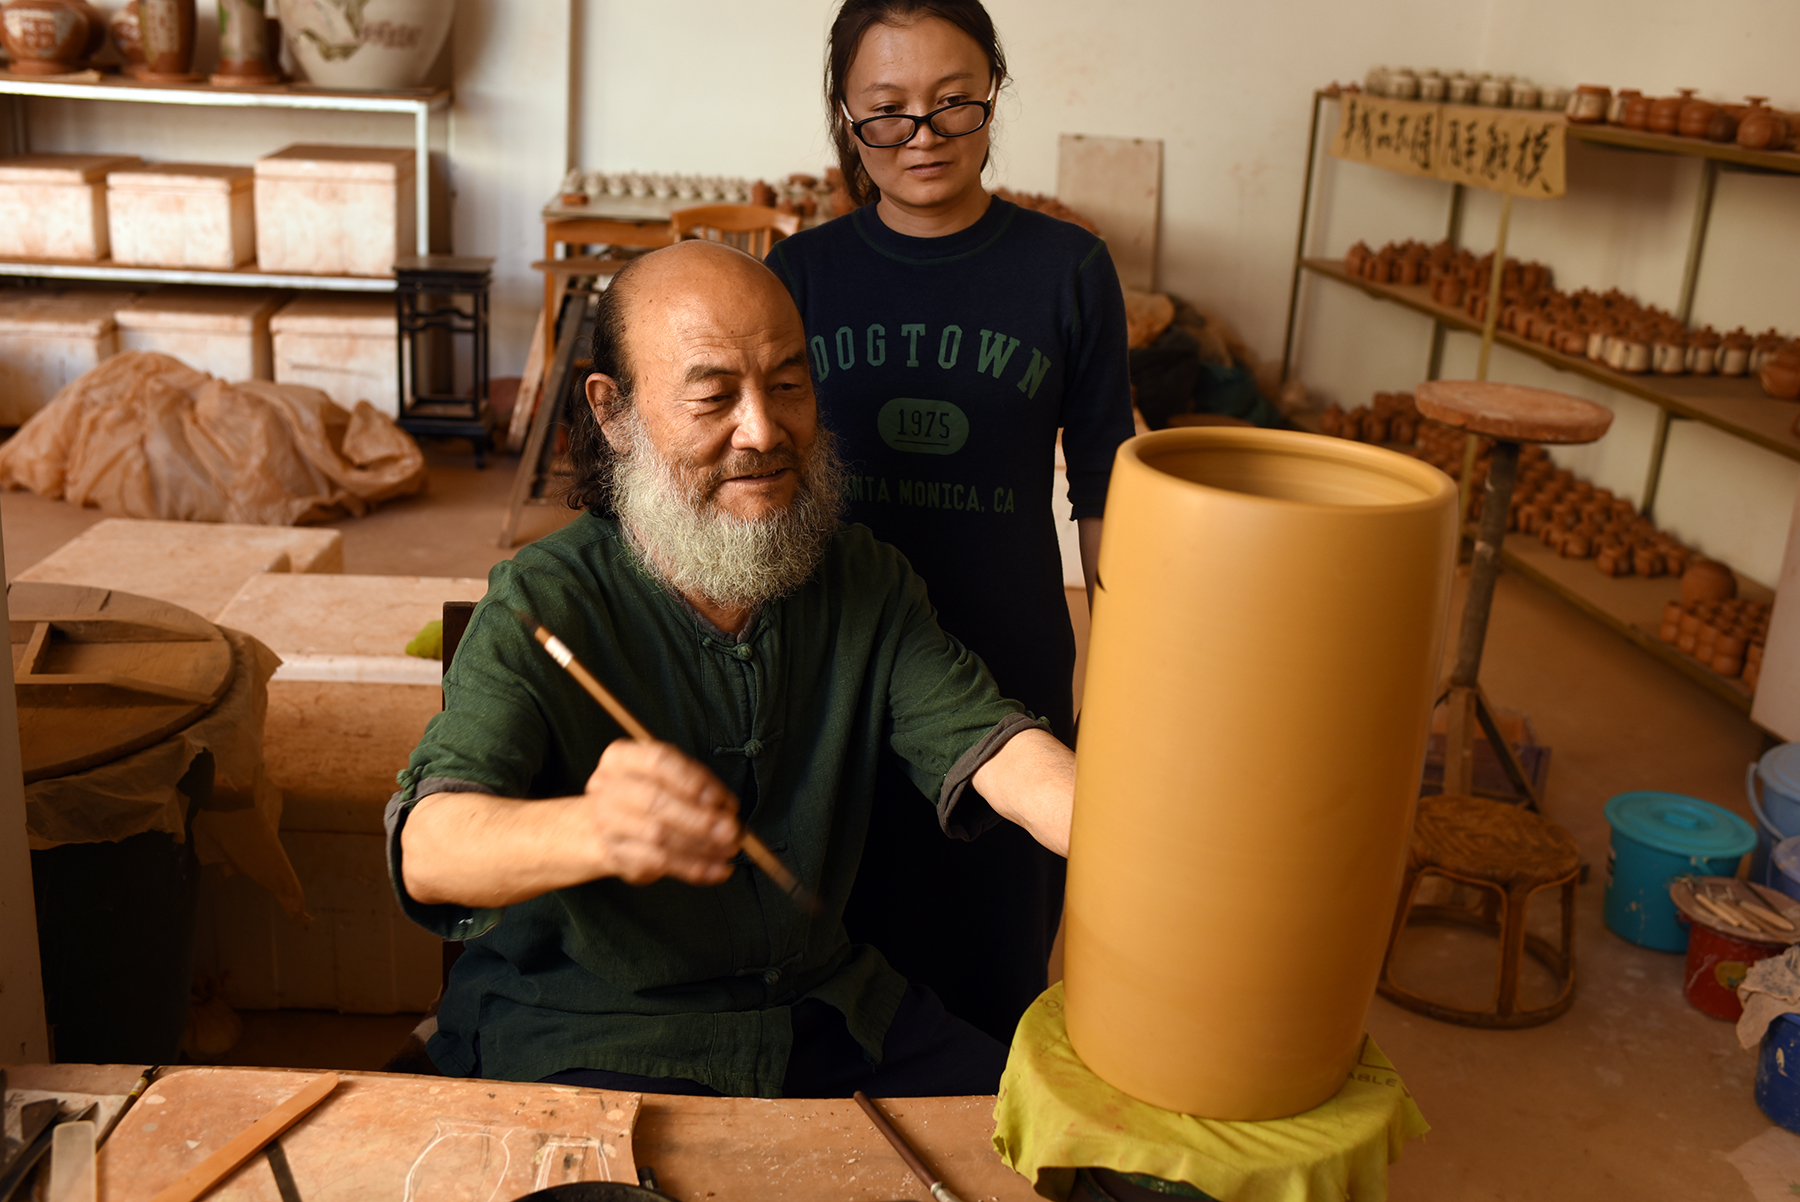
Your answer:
<point x="348" y="347"/>
<point x="53" y="206"/>
<point x="1231" y="882"/>
<point x="182" y="215"/>
<point x="222" y="332"/>
<point x="197" y="565"/>
<point x="334" y="210"/>
<point x="47" y="340"/>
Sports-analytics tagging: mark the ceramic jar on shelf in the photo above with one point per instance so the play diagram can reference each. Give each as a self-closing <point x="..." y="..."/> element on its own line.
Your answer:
<point x="366" y="45"/>
<point x="1635" y="113"/>
<point x="166" y="28"/>
<point x="1734" y="353"/>
<point x="1432" y="87"/>
<point x="51" y="37"/>
<point x="1588" y="105"/>
<point x="246" y="50"/>
<point x="1555" y="99"/>
<point x="1460" y="89"/>
<point x="1762" y="128"/>
<point x="1494" y="92"/>
<point x="1524" y="95"/>
<point x="127" y="34"/>
<point x="1665" y="112"/>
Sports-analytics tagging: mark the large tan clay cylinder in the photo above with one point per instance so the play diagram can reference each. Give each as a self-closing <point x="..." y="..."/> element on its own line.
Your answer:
<point x="1265" y="645"/>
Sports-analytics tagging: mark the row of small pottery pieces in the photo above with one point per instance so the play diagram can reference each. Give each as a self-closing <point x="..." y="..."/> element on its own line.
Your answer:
<point x="1393" y="419"/>
<point x="1753" y="125"/>
<point x="366" y="45"/>
<point x="1458" y="87"/>
<point x="1725" y="633"/>
<point x="1609" y="327"/>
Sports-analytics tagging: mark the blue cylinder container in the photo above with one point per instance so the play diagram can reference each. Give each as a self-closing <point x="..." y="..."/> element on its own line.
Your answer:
<point x="1776" y="804"/>
<point x="1778" y="1073"/>
<point x="1657" y="837"/>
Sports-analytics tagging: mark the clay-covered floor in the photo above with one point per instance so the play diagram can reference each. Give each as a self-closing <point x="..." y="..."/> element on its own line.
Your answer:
<point x="1632" y="1094"/>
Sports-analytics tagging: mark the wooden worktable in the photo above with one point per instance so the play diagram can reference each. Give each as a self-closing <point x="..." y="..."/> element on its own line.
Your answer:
<point x="702" y="1149"/>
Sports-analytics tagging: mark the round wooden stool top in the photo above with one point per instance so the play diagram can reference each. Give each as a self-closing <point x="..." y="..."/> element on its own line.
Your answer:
<point x="1491" y="841"/>
<point x="1512" y="412"/>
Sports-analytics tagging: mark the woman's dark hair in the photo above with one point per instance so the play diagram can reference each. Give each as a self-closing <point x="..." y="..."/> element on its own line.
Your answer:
<point x="590" y="455"/>
<point x="853" y="20"/>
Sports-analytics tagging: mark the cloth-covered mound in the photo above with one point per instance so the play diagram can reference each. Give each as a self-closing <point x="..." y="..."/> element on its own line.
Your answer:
<point x="146" y="436"/>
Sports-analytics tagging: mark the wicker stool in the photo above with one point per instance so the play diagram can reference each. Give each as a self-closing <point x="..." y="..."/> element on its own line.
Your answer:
<point x="1509" y="853"/>
<point x="1509" y="414"/>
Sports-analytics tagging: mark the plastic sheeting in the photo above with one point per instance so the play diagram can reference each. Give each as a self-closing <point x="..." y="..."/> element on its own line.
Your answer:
<point x="137" y="793"/>
<point x="145" y="436"/>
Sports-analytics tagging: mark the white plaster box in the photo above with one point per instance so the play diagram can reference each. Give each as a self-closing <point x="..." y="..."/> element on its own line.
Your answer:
<point x="53" y="206"/>
<point x="334" y="210"/>
<point x="47" y="339"/>
<point x="223" y="332"/>
<point x="182" y="215"/>
<point x="199" y="566"/>
<point x="346" y="346"/>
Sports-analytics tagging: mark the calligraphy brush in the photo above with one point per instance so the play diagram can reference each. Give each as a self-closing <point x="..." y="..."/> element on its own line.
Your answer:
<point x="933" y="1183"/>
<point x="753" y="847"/>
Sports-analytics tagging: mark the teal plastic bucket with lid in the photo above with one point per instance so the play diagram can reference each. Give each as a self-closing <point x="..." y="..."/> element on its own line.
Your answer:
<point x="1657" y="837"/>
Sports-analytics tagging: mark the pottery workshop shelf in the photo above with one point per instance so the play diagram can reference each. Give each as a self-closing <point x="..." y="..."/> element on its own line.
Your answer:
<point x="1630" y="605"/>
<point x="1735" y="405"/>
<point x="1699" y="148"/>
<point x="248" y="276"/>
<point x="418" y="104"/>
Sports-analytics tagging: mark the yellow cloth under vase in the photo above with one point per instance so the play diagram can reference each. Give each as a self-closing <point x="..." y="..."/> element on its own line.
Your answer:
<point x="1054" y="1116"/>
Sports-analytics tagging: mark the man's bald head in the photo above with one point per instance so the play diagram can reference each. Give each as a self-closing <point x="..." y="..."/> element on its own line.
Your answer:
<point x="690" y="282"/>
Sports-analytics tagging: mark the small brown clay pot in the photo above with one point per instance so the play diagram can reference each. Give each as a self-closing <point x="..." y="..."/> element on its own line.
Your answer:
<point x="1707" y="580"/>
<point x="127" y="35"/>
<point x="1647" y="561"/>
<point x="1636" y="112"/>
<point x="1780" y="374"/>
<point x="1762" y="128"/>
<point x="1664" y="116"/>
<point x="168" y="35"/>
<point x="1588" y="104"/>
<point x="1694" y="117"/>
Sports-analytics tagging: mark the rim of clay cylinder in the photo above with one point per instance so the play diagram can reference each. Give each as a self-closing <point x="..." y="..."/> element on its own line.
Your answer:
<point x="1338" y="469"/>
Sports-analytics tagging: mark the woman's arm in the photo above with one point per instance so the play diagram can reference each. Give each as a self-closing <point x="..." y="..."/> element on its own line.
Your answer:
<point x="649" y="811"/>
<point x="1087" y="532"/>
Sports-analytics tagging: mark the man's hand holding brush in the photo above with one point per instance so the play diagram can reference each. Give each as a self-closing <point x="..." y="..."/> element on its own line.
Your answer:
<point x="649" y="811"/>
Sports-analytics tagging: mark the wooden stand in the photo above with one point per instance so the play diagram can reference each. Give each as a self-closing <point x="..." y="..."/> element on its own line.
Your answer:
<point x="1509" y="414"/>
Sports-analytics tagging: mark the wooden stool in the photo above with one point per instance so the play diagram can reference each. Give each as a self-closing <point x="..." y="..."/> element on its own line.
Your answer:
<point x="1509" y="414"/>
<point x="1508" y="854"/>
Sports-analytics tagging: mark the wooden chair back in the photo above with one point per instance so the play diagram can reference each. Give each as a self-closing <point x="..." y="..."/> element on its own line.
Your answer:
<point x="753" y="229"/>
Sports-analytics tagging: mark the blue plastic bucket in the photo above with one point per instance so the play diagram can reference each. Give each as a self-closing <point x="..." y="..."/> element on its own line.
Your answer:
<point x="1784" y="867"/>
<point x="1778" y="1073"/>
<point x="1777" y="809"/>
<point x="1657" y="837"/>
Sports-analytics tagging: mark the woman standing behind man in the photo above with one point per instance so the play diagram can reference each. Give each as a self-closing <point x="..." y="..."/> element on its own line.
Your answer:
<point x="951" y="335"/>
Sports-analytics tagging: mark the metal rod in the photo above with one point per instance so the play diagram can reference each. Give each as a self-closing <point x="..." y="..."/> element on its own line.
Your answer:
<point x="1690" y="270"/>
<point x="1484" y="564"/>
<point x="1434" y="367"/>
<point x="422" y="176"/>
<point x="1312" y="155"/>
<point x="1659" y="441"/>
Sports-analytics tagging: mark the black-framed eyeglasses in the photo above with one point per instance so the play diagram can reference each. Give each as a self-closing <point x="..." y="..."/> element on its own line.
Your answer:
<point x="888" y="130"/>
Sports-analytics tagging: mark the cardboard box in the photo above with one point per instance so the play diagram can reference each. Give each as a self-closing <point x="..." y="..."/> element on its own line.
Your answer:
<point x="53" y="206"/>
<point x="349" y="347"/>
<point x="48" y="339"/>
<point x="335" y="210"/>
<point x="223" y="332"/>
<point x="182" y="215"/>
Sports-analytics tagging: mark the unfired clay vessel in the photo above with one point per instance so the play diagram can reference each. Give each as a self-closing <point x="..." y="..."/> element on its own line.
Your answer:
<point x="1589" y="104"/>
<point x="246" y="50"/>
<point x="1198" y="830"/>
<point x="167" y="30"/>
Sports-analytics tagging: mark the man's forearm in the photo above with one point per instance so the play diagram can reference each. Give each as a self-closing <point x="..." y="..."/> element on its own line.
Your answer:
<point x="1031" y="782"/>
<point x="485" y="852"/>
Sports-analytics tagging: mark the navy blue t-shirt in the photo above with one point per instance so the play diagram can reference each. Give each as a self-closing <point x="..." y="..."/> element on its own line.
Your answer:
<point x="945" y="367"/>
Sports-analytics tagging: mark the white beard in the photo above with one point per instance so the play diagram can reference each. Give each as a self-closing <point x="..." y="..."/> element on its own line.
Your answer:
<point x="672" y="520"/>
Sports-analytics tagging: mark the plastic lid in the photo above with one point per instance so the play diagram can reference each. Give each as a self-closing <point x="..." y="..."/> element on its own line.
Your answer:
<point x="1780" y="770"/>
<point x="1683" y="826"/>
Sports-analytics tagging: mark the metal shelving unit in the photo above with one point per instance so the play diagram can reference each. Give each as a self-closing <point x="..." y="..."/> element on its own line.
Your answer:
<point x="419" y="105"/>
<point x="1629" y="605"/>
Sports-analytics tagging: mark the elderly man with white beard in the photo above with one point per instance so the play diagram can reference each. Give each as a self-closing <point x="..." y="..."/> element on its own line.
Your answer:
<point x="614" y="934"/>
